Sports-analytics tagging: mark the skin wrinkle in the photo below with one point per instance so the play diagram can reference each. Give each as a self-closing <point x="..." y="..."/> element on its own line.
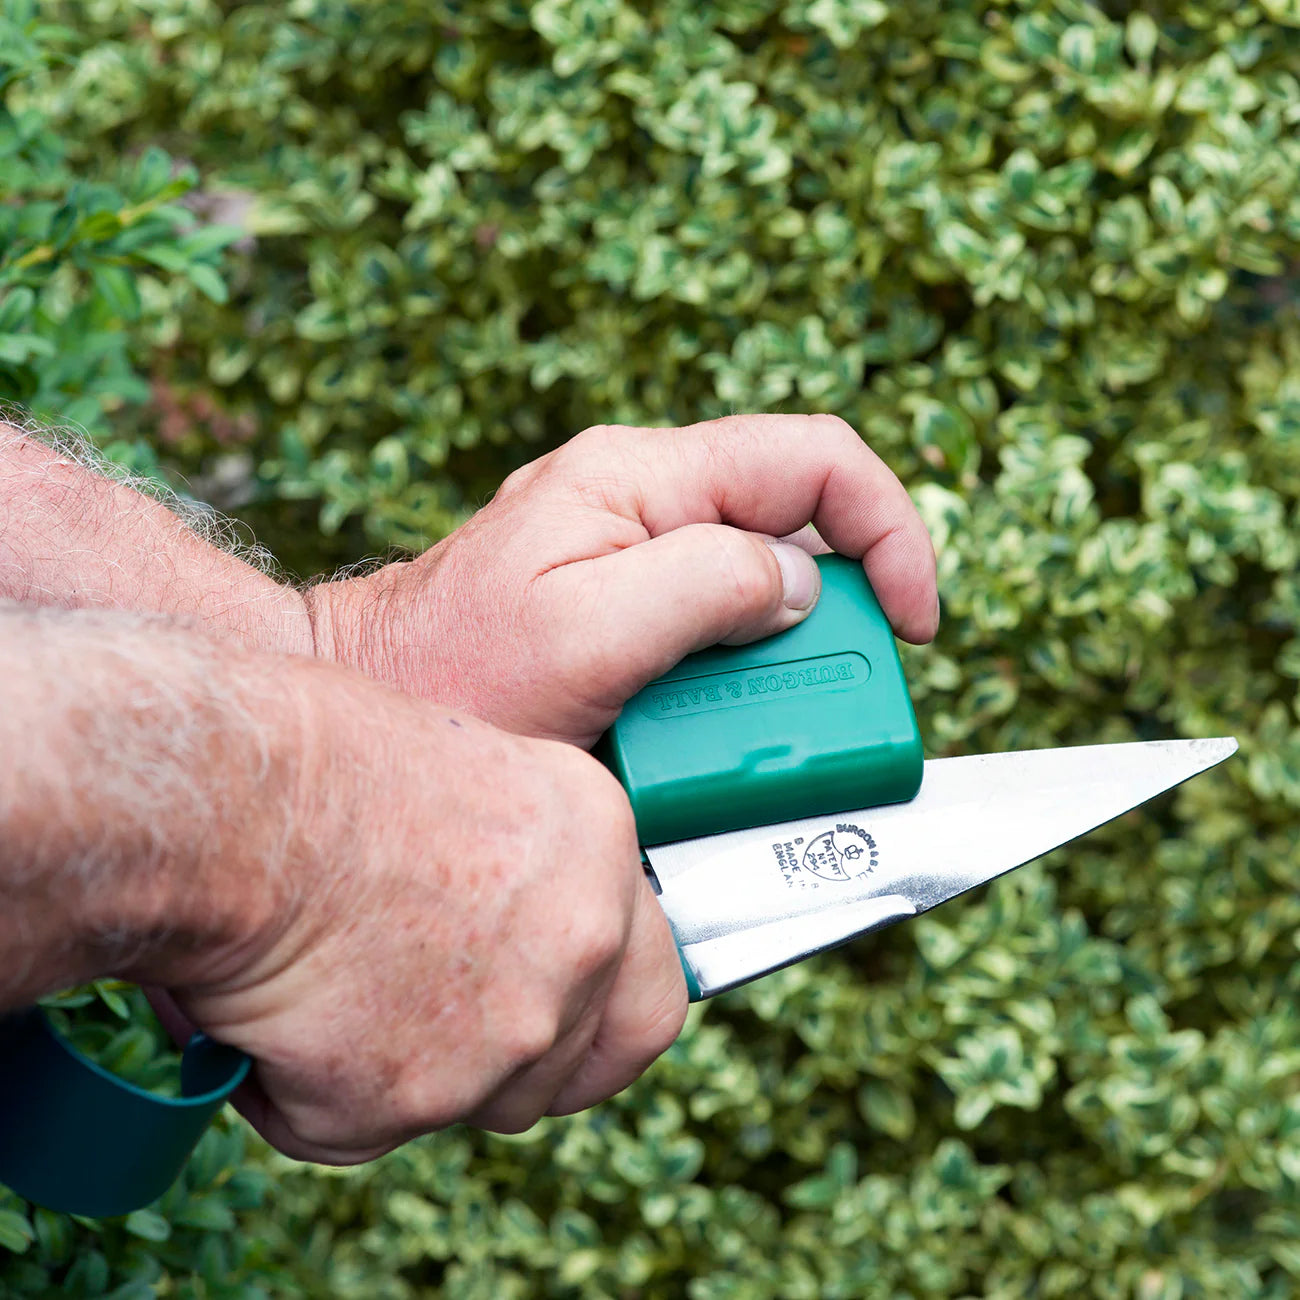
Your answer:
<point x="722" y="455"/>
<point x="637" y="533"/>
<point x="610" y="493"/>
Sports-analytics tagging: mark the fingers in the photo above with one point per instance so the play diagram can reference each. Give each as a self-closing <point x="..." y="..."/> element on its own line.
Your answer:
<point x="638" y="611"/>
<point x="773" y="474"/>
<point x="806" y="539"/>
<point x="633" y="1020"/>
<point x="274" y="1127"/>
<point x="619" y="1035"/>
<point x="526" y="1096"/>
<point x="178" y="1025"/>
<point x="642" y="1018"/>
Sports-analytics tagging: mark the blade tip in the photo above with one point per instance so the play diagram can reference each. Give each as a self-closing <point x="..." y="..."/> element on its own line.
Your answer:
<point x="1207" y="752"/>
<point x="1221" y="747"/>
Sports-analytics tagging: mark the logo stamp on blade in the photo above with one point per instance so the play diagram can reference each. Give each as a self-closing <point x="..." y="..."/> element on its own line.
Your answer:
<point x="840" y="853"/>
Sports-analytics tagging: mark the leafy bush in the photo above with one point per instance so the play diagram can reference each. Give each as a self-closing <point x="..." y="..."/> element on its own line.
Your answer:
<point x="80" y="257"/>
<point x="1043" y="255"/>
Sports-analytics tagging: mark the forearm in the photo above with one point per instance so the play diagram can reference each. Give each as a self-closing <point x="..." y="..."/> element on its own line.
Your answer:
<point x="71" y="537"/>
<point x="150" y="779"/>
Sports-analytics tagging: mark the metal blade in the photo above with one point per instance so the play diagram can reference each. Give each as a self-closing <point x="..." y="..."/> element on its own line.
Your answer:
<point x="748" y="902"/>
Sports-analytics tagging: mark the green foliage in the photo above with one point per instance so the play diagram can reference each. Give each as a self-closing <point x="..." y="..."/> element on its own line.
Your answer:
<point x="1043" y="254"/>
<point x="79" y="257"/>
<point x="112" y="1024"/>
<point x="186" y="1244"/>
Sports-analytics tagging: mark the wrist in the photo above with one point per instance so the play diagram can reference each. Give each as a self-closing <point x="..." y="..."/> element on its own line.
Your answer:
<point x="350" y="620"/>
<point x="363" y="758"/>
<point x="239" y="881"/>
<point x="145" y="829"/>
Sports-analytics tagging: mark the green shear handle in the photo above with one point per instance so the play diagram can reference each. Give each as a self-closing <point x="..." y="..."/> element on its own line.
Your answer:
<point x="88" y="1142"/>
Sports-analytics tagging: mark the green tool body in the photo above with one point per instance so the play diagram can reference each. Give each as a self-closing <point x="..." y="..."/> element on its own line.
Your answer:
<point x="74" y="1137"/>
<point x="814" y="720"/>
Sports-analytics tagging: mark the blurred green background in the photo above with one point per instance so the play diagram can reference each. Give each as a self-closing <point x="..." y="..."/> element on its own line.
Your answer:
<point x="337" y="267"/>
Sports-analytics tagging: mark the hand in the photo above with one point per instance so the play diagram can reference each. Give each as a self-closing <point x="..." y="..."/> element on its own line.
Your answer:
<point x="600" y="565"/>
<point x="470" y="937"/>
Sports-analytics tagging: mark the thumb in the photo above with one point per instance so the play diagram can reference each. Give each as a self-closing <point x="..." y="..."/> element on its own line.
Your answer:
<point x="637" y="611"/>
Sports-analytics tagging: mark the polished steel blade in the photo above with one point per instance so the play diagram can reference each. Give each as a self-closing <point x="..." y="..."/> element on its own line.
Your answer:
<point x="748" y="902"/>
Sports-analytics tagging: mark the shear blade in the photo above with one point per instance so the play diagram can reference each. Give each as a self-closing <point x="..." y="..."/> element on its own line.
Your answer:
<point x="749" y="902"/>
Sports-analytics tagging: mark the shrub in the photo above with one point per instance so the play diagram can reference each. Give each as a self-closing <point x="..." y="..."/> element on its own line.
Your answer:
<point x="1043" y="255"/>
<point x="82" y="259"/>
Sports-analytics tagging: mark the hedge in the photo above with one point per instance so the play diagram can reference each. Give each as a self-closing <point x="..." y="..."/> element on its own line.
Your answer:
<point x="1042" y="253"/>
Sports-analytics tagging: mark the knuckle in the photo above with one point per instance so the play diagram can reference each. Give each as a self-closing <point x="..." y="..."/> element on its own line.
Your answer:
<point x="593" y="442"/>
<point x="515" y="482"/>
<point x="836" y="427"/>
<point x="604" y="804"/>
<point x="427" y="1096"/>
<point x="596" y="935"/>
<point x="620" y="821"/>
<point x="420" y="1105"/>
<point x="592" y="433"/>
<point x="599" y="466"/>
<point x="530" y="1036"/>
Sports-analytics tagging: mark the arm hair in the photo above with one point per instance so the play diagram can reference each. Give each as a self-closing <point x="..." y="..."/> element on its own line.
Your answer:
<point x="148" y="782"/>
<point x="77" y="531"/>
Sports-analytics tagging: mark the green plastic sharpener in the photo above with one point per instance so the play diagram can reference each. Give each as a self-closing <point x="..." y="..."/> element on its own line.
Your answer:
<point x="816" y="719"/>
<point x="76" y="1138"/>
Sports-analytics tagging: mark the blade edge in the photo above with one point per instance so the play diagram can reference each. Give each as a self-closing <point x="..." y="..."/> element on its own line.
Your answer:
<point x="724" y="916"/>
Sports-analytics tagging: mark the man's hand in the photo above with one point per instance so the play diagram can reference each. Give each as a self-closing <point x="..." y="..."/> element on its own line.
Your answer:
<point x="475" y="940"/>
<point x="599" y="566"/>
<point x="407" y="917"/>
